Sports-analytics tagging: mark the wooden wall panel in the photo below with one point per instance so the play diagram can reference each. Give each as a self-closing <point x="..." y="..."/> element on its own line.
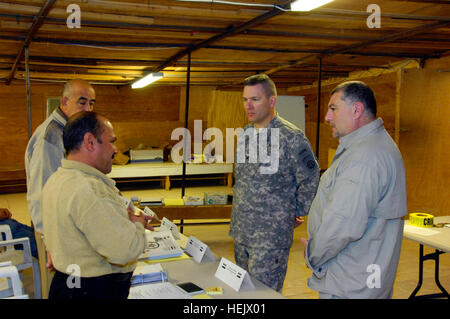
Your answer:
<point x="144" y="116"/>
<point x="227" y="111"/>
<point x="200" y="101"/>
<point x="123" y="104"/>
<point x="424" y="130"/>
<point x="13" y="129"/>
<point x="384" y="88"/>
<point x="14" y="120"/>
<point x="149" y="116"/>
<point x="425" y="139"/>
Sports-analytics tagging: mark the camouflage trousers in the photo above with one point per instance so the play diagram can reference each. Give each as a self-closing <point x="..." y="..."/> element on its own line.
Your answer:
<point x="267" y="265"/>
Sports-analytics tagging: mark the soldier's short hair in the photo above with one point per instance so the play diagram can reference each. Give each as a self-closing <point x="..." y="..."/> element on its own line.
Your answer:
<point x="266" y="82"/>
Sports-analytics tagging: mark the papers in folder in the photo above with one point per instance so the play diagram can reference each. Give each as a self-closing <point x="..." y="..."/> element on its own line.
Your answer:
<point x="160" y="245"/>
<point x="162" y="290"/>
<point x="145" y="273"/>
<point x="151" y="201"/>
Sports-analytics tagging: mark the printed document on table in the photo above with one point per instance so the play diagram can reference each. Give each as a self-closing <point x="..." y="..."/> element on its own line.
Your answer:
<point x="160" y="245"/>
<point x="163" y="290"/>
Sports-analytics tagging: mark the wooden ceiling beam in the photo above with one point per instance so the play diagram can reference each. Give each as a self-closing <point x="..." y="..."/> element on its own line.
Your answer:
<point x="395" y="36"/>
<point x="428" y="1"/>
<point x="234" y="30"/>
<point x="60" y="15"/>
<point x="442" y="45"/>
<point x="396" y="16"/>
<point x="39" y="19"/>
<point x="349" y="48"/>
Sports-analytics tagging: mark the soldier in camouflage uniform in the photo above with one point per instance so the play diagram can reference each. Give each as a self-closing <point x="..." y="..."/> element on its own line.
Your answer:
<point x="269" y="194"/>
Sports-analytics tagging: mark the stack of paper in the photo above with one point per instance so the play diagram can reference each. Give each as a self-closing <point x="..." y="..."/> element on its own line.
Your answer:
<point x="146" y="156"/>
<point x="192" y="200"/>
<point x="216" y="198"/>
<point x="148" y="273"/>
<point x="161" y="245"/>
<point x="163" y="290"/>
<point x="150" y="201"/>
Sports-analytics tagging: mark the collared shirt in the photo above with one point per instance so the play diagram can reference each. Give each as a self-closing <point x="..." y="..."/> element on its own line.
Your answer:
<point x="86" y="223"/>
<point x="276" y="178"/>
<point x="354" y="226"/>
<point x="43" y="156"/>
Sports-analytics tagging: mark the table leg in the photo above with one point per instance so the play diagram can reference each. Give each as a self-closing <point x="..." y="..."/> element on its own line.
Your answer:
<point x="433" y="256"/>
<point x="419" y="284"/>
<point x="436" y="276"/>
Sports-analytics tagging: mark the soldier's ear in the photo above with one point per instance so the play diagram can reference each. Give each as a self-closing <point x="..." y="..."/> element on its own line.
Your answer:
<point x="272" y="101"/>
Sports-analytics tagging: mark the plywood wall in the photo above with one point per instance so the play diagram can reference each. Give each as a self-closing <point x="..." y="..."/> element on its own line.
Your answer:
<point x="424" y="129"/>
<point x="14" y="122"/>
<point x="145" y="116"/>
<point x="425" y="139"/>
<point x="148" y="117"/>
<point x="384" y="88"/>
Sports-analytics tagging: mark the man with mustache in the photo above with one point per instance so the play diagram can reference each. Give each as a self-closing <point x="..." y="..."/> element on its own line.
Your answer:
<point x="43" y="156"/>
<point x="86" y="224"/>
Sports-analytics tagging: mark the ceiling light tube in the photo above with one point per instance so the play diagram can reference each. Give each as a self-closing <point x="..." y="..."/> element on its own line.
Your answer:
<point x="308" y="5"/>
<point x="146" y="80"/>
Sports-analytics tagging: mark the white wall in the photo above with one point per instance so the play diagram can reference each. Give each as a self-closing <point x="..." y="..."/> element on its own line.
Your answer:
<point x="292" y="109"/>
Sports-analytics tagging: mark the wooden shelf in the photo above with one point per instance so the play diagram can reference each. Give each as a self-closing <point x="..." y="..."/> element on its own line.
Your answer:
<point x="193" y="212"/>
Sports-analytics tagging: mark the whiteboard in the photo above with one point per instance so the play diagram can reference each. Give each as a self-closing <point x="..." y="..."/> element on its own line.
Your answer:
<point x="292" y="109"/>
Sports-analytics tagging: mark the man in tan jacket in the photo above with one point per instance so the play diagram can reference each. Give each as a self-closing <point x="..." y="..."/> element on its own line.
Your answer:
<point x="92" y="238"/>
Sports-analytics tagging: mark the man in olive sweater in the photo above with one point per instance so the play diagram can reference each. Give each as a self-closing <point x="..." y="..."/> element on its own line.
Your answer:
<point x="92" y="238"/>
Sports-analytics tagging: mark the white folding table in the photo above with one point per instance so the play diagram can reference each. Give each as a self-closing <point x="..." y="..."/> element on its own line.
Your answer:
<point x="437" y="238"/>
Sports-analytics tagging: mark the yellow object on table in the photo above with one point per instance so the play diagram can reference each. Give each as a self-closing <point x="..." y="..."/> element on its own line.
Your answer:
<point x="421" y="220"/>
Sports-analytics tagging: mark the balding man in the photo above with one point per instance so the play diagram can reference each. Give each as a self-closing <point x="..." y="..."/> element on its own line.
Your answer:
<point x="45" y="148"/>
<point x="43" y="156"/>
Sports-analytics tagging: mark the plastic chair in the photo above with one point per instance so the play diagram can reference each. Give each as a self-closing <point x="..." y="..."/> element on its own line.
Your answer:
<point x="21" y="259"/>
<point x="10" y="274"/>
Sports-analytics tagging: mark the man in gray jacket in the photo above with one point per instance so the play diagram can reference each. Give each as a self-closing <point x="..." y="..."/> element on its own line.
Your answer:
<point x="43" y="156"/>
<point x="45" y="149"/>
<point x="355" y="224"/>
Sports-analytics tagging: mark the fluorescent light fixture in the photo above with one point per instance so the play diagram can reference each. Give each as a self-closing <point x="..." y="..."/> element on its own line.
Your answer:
<point x="308" y="5"/>
<point x="146" y="80"/>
